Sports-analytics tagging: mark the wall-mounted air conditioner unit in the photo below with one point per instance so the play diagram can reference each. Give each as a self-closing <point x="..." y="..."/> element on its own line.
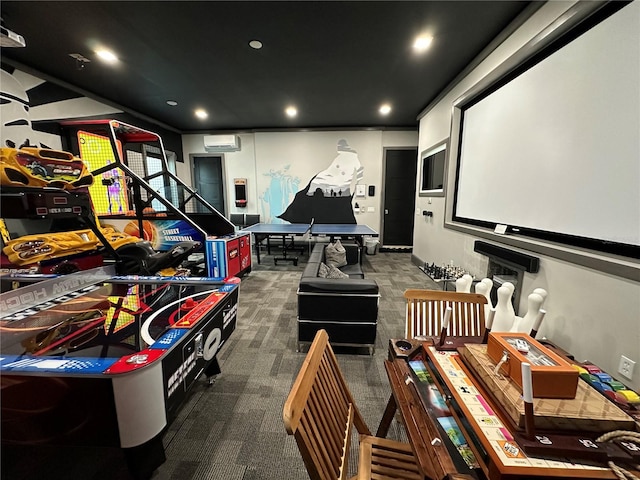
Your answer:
<point x="221" y="143"/>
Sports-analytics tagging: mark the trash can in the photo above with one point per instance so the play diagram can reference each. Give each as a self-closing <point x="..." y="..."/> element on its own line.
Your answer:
<point x="371" y="246"/>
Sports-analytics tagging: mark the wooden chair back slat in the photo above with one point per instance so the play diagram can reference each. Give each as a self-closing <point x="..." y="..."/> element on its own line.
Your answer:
<point x="320" y="412"/>
<point x="426" y="309"/>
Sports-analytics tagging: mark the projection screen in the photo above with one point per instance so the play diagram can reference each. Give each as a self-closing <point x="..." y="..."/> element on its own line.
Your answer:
<point x="556" y="150"/>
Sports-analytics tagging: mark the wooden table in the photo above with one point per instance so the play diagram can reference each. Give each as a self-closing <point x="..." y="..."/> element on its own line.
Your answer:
<point x="486" y="432"/>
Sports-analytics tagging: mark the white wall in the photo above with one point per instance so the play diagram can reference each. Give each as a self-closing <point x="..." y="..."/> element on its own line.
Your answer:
<point x="593" y="315"/>
<point x="299" y="156"/>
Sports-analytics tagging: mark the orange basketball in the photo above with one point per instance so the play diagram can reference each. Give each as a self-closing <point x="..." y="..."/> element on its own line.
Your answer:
<point x="148" y="230"/>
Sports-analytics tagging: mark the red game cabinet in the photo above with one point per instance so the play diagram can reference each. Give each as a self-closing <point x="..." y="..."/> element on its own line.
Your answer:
<point x="228" y="256"/>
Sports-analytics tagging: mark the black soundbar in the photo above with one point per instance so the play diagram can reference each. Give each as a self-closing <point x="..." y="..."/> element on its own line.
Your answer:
<point x="521" y="260"/>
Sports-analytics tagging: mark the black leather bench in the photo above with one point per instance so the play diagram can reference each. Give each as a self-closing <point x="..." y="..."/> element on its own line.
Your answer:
<point x="347" y="308"/>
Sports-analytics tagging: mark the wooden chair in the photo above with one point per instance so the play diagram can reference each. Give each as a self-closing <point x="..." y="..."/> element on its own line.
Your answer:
<point x="320" y="412"/>
<point x="425" y="312"/>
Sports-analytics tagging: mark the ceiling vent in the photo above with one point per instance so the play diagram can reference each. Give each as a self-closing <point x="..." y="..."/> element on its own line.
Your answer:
<point x="221" y="143"/>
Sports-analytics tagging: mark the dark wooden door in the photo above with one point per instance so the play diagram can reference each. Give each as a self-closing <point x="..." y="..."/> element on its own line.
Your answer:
<point x="209" y="182"/>
<point x="400" y="167"/>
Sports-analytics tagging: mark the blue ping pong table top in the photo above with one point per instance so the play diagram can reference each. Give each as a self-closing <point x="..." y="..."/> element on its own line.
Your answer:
<point x="316" y="229"/>
<point x="278" y="228"/>
<point x="341" y="229"/>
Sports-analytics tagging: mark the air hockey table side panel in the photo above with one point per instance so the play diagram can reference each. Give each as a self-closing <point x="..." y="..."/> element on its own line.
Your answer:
<point x="136" y="405"/>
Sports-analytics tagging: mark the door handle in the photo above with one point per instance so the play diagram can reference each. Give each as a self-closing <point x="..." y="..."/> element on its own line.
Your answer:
<point x="386" y="212"/>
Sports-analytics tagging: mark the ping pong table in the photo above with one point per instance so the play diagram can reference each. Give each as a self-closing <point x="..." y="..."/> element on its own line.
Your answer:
<point x="343" y="230"/>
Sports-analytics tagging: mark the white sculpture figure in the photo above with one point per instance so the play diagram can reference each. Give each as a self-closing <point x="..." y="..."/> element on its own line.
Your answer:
<point x="483" y="287"/>
<point x="463" y="284"/>
<point x="505" y="315"/>
<point x="525" y="324"/>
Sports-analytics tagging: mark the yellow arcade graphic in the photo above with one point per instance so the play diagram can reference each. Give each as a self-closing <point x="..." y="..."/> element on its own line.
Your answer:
<point x="109" y="190"/>
<point x="35" y="248"/>
<point x="4" y="232"/>
<point x="42" y="167"/>
<point x="123" y="310"/>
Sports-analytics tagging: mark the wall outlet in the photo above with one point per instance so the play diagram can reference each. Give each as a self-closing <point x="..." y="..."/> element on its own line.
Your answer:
<point x="625" y="368"/>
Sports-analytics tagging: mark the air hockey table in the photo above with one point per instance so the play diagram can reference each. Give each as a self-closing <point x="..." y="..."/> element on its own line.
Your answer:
<point x="94" y="359"/>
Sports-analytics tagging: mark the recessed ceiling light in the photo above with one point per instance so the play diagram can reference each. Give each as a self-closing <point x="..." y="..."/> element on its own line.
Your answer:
<point x="385" y="109"/>
<point x="172" y="103"/>
<point x="106" y="55"/>
<point x="202" y="114"/>
<point x="422" y="43"/>
<point x="291" y="111"/>
<point x="256" y="44"/>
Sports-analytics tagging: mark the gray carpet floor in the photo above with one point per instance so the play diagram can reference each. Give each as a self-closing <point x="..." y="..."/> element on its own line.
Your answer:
<point x="233" y="429"/>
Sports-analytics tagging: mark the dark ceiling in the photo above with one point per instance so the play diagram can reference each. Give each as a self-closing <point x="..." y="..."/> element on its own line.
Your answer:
<point x="336" y="61"/>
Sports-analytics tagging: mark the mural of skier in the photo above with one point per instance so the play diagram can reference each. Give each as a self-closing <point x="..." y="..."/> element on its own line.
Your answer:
<point x="327" y="198"/>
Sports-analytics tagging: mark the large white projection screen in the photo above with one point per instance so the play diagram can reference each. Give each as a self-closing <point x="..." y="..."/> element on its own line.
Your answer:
<point x="557" y="148"/>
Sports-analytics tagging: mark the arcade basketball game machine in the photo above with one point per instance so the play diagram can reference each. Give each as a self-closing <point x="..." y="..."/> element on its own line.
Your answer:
<point x="137" y="191"/>
<point x="117" y="353"/>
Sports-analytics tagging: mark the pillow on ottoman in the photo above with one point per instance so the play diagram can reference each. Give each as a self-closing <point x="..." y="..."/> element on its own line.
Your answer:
<point x="335" y="254"/>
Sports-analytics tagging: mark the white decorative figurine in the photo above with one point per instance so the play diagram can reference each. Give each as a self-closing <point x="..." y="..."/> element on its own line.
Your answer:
<point x="505" y="314"/>
<point x="525" y="324"/>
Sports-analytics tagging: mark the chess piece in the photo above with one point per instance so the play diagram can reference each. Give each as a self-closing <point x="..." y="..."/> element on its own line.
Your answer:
<point x="469" y="279"/>
<point x="525" y="324"/>
<point x="489" y="283"/>
<point x="463" y="284"/>
<point x="483" y="287"/>
<point x="510" y="286"/>
<point x="480" y="288"/>
<point x="505" y="315"/>
<point x="543" y="293"/>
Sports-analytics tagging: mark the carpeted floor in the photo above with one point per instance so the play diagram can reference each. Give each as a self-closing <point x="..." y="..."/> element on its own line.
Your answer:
<point x="233" y="429"/>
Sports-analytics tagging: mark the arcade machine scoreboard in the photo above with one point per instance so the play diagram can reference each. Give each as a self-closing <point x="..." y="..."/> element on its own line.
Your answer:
<point x="116" y="356"/>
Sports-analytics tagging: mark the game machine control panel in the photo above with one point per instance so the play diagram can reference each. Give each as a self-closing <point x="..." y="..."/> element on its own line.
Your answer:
<point x="117" y="356"/>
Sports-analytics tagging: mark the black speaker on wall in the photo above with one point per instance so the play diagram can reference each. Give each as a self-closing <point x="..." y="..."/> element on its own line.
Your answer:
<point x="520" y="260"/>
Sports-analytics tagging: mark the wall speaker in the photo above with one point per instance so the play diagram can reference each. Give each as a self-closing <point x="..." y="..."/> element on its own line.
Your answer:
<point x="517" y="259"/>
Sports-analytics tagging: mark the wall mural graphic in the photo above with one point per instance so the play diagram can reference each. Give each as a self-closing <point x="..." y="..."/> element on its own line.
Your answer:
<point x="327" y="198"/>
<point x="26" y="101"/>
<point x="14" y="109"/>
<point x="282" y="188"/>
